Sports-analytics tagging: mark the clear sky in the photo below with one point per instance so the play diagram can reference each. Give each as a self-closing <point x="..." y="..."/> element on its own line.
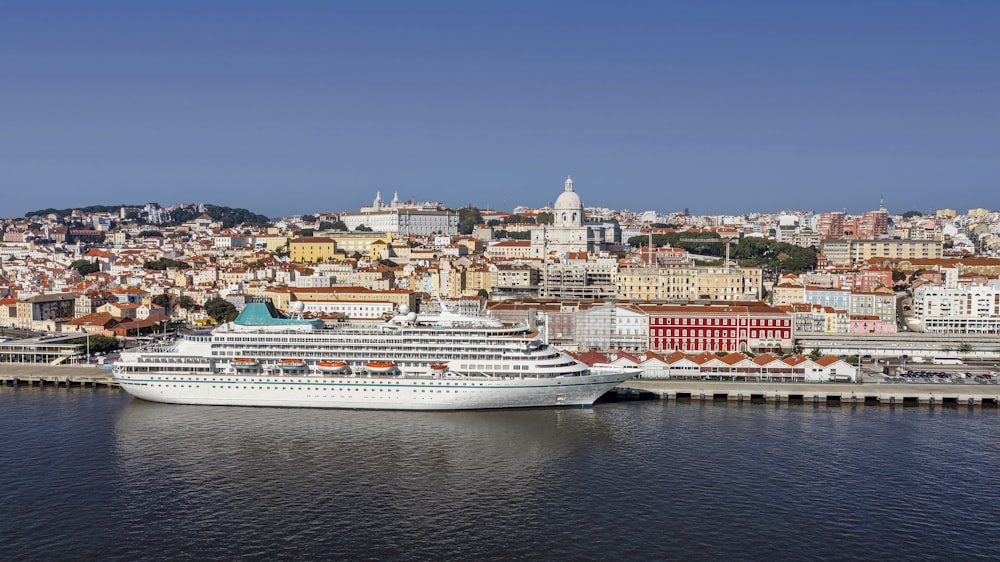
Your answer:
<point x="290" y="107"/>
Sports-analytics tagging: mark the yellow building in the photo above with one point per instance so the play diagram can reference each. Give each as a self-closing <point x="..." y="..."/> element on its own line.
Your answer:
<point x="478" y="277"/>
<point x="349" y="243"/>
<point x="316" y="294"/>
<point x="275" y="243"/>
<point x="688" y="283"/>
<point x="864" y="250"/>
<point x="978" y="212"/>
<point x="946" y="213"/>
<point x="313" y="249"/>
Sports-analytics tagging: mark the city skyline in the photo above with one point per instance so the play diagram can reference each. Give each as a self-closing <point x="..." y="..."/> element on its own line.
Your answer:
<point x="719" y="107"/>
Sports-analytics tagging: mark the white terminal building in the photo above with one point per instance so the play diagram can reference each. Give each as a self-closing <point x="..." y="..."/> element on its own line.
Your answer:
<point x="402" y="218"/>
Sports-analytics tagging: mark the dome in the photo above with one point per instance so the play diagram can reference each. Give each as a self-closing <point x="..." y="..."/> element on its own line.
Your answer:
<point x="568" y="208"/>
<point x="568" y="201"/>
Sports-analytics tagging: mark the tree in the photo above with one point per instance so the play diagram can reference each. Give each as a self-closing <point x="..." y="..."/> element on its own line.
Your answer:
<point x="185" y="302"/>
<point x="98" y="344"/>
<point x="162" y="300"/>
<point x="518" y="219"/>
<point x="84" y="267"/>
<point x="221" y="309"/>
<point x="339" y="225"/>
<point x="911" y="214"/>
<point x="524" y="235"/>
<point x="545" y="218"/>
<point x="164" y="263"/>
<point x="898" y="276"/>
<point x="308" y="218"/>
<point x="363" y="228"/>
<point x="468" y="218"/>
<point x="483" y="293"/>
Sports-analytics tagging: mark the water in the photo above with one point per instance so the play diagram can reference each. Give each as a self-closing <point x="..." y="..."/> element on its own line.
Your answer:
<point x="94" y="474"/>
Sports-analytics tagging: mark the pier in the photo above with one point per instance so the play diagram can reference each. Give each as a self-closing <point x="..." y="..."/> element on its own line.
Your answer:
<point x="15" y="374"/>
<point x="979" y="395"/>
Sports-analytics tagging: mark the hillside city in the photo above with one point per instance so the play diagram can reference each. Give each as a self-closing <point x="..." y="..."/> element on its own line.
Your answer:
<point x="644" y="284"/>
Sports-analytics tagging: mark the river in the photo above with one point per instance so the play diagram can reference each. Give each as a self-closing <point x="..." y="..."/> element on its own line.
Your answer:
<point x="95" y="474"/>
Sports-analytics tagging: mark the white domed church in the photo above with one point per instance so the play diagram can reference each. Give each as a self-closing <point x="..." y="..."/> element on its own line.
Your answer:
<point x="568" y="233"/>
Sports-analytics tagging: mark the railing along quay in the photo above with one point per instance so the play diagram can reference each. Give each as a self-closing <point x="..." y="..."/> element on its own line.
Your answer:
<point x="987" y="395"/>
<point x="13" y="374"/>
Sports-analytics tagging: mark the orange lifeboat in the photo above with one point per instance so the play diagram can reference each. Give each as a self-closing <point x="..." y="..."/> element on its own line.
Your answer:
<point x="439" y="367"/>
<point x="332" y="366"/>
<point x="243" y="362"/>
<point x="380" y="366"/>
<point x="291" y="364"/>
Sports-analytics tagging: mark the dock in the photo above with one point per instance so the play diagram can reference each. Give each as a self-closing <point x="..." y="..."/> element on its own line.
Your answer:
<point x="15" y="374"/>
<point x="978" y="395"/>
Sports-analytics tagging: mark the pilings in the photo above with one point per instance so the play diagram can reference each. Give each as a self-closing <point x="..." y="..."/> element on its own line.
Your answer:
<point x="986" y="396"/>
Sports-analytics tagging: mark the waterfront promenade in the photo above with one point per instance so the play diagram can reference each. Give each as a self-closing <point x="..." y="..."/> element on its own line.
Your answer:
<point x="891" y="394"/>
<point x="33" y="374"/>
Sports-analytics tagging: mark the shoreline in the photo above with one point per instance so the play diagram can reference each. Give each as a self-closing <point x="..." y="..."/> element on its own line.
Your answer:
<point x="14" y="374"/>
<point x="891" y="394"/>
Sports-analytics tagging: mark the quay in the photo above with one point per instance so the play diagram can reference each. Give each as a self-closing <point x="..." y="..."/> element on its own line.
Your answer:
<point x="14" y="374"/>
<point x="884" y="394"/>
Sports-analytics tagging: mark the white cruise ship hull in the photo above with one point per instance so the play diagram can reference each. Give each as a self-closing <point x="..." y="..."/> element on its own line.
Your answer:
<point x="376" y="392"/>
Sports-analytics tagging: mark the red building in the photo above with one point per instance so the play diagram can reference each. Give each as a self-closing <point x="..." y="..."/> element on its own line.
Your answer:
<point x="755" y="327"/>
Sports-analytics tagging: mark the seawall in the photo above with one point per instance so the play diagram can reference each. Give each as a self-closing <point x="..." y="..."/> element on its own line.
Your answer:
<point x="14" y="374"/>
<point x="985" y="395"/>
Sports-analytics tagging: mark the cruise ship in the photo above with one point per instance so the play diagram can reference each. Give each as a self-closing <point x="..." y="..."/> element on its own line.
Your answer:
<point x="412" y="361"/>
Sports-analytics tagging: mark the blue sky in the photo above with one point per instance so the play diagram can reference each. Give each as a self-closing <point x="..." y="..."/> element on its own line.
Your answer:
<point x="293" y="107"/>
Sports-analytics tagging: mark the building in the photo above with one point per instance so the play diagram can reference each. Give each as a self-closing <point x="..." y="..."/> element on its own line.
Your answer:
<point x="690" y="283"/>
<point x="879" y="303"/>
<point x="755" y="327"/>
<point x="46" y="312"/>
<point x="965" y="309"/>
<point x="399" y="218"/>
<point x="312" y="249"/>
<point x="568" y="233"/>
<point x="514" y="280"/>
<point x="848" y="253"/>
<point x="578" y="279"/>
<point x="339" y="245"/>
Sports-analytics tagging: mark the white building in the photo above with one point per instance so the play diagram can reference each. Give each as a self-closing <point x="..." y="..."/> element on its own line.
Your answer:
<point x="401" y="218"/>
<point x="965" y="309"/>
<point x="568" y="233"/>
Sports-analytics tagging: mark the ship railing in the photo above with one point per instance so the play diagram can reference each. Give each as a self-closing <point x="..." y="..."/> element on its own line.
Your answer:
<point x="173" y="360"/>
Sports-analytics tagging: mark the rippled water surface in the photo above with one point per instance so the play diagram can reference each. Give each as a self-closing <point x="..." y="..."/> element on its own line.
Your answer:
<point x="95" y="474"/>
